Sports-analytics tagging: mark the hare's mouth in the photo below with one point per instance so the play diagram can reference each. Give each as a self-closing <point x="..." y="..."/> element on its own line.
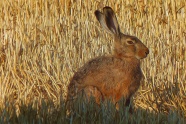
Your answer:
<point x="141" y="56"/>
<point x="142" y="53"/>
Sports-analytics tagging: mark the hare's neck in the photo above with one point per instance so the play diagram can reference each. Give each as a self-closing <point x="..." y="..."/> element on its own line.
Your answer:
<point x="131" y="62"/>
<point x="132" y="65"/>
<point x="119" y="53"/>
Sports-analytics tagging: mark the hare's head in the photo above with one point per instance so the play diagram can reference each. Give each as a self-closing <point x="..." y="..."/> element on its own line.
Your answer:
<point x="126" y="46"/>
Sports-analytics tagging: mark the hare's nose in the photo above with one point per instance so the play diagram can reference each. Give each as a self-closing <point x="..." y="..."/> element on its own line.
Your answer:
<point x="147" y="51"/>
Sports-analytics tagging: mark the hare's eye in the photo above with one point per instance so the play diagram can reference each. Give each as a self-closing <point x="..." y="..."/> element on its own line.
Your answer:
<point x="130" y="42"/>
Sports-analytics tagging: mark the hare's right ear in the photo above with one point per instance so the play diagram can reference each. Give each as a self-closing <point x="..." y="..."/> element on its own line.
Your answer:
<point x="108" y="20"/>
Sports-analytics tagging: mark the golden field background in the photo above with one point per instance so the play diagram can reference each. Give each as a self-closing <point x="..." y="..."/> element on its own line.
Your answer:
<point x="43" y="42"/>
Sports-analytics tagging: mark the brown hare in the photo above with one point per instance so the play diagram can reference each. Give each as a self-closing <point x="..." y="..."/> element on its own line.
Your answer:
<point x="113" y="76"/>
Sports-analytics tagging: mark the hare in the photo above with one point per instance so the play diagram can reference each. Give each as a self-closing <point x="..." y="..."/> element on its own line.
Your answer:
<point x="113" y="76"/>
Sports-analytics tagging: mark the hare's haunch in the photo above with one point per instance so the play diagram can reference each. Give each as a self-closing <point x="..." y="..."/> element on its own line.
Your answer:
<point x="114" y="76"/>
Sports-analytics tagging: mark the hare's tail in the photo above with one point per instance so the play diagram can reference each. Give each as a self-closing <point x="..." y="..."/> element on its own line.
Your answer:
<point x="71" y="94"/>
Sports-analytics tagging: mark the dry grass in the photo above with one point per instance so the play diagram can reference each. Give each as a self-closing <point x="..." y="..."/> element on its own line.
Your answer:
<point x="44" y="42"/>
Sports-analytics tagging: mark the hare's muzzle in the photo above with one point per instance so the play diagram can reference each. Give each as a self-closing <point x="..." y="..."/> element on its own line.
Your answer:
<point x="142" y="53"/>
<point x="147" y="51"/>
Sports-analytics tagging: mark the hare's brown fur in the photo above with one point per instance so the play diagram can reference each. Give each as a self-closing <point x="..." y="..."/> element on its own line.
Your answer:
<point x="114" y="76"/>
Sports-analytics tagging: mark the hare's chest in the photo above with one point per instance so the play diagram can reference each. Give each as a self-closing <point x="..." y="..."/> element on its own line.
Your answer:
<point x="129" y="78"/>
<point x="135" y="81"/>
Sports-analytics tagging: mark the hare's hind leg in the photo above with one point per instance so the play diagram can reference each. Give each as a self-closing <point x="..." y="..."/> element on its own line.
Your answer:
<point x="92" y="91"/>
<point x="86" y="93"/>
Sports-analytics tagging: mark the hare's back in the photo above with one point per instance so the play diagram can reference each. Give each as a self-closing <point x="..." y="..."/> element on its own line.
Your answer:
<point x="90" y="74"/>
<point x="96" y="65"/>
<point x="105" y="69"/>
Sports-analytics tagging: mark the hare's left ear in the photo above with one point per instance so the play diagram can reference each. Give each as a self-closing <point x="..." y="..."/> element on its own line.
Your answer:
<point x="101" y="18"/>
<point x="108" y="20"/>
<point x="111" y="20"/>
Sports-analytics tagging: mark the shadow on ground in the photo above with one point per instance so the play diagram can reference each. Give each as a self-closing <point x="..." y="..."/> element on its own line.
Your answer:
<point x="82" y="113"/>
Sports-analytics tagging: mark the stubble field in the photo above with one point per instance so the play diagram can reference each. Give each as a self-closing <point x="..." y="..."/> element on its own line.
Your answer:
<point x="43" y="42"/>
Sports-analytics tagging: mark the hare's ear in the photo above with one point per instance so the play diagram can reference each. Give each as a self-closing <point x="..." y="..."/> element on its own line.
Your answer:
<point x="108" y="20"/>
<point x="101" y="18"/>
